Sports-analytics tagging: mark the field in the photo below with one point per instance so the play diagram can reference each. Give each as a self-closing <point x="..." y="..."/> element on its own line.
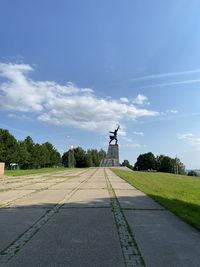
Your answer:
<point x="32" y="171"/>
<point x="179" y="194"/>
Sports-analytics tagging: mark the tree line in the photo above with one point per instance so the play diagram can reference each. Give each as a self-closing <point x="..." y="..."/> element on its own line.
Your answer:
<point x="27" y="154"/>
<point x="149" y="162"/>
<point x="80" y="158"/>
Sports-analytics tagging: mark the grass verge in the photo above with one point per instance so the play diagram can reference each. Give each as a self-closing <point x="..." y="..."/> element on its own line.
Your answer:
<point x="179" y="194"/>
<point x="33" y="171"/>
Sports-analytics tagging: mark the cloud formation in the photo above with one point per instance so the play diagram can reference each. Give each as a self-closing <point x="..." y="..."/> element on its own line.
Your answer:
<point x="172" y="83"/>
<point x="190" y="138"/>
<point x="64" y="105"/>
<point x="139" y="133"/>
<point x="164" y="75"/>
<point x="173" y="111"/>
<point x="141" y="100"/>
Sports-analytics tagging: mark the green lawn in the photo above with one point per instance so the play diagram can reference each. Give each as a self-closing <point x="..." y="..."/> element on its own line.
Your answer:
<point x="33" y="171"/>
<point x="179" y="194"/>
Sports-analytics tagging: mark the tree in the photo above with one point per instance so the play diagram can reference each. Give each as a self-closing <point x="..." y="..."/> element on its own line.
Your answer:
<point x="80" y="157"/>
<point x="180" y="166"/>
<point x="145" y="161"/>
<point x="127" y="164"/>
<point x="93" y="157"/>
<point x="30" y="147"/>
<point x="192" y="173"/>
<point x="8" y="147"/>
<point x="22" y="154"/>
<point x="170" y="165"/>
<point x="166" y="164"/>
<point x="54" y="158"/>
<point x="102" y="155"/>
<point x="68" y="159"/>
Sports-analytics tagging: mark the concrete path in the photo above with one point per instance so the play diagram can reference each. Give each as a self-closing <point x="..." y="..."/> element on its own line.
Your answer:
<point x="89" y="218"/>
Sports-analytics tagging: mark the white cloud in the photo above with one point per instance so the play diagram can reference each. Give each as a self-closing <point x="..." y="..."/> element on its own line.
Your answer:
<point x="139" y="133"/>
<point x="172" y="83"/>
<point x="185" y="136"/>
<point x="190" y="138"/>
<point x="19" y="117"/>
<point x="141" y="100"/>
<point x="164" y="75"/>
<point x="173" y="111"/>
<point x="64" y="105"/>
<point x="129" y="142"/>
<point x="124" y="100"/>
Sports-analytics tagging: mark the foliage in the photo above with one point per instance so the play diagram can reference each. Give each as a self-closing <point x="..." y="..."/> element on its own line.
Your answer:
<point x="179" y="194"/>
<point x="127" y="164"/>
<point x="26" y="153"/>
<point x="192" y="173"/>
<point x="79" y="158"/>
<point x="8" y="147"/>
<point x="145" y="161"/>
<point x="160" y="163"/>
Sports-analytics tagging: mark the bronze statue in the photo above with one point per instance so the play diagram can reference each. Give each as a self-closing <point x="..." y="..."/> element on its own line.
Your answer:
<point x="114" y="136"/>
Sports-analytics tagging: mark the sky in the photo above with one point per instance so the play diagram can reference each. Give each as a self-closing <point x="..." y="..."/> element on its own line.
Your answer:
<point x="72" y="70"/>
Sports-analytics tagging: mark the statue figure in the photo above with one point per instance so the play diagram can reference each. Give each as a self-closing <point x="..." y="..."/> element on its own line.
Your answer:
<point x="114" y="136"/>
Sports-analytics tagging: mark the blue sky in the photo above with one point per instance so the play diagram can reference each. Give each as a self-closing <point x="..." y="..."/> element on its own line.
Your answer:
<point x="70" y="71"/>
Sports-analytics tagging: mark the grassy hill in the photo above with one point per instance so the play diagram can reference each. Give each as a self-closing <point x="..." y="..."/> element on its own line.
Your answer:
<point x="179" y="194"/>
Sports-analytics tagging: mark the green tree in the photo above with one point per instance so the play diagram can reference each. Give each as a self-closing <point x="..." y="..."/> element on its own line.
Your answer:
<point x="180" y="166"/>
<point x="8" y="147"/>
<point x="89" y="160"/>
<point x="192" y="173"/>
<point x="53" y="158"/>
<point x="102" y="155"/>
<point x="167" y="164"/>
<point x="22" y="154"/>
<point x="145" y="161"/>
<point x="127" y="164"/>
<point x="30" y="147"/>
<point x="170" y="165"/>
<point x="80" y="157"/>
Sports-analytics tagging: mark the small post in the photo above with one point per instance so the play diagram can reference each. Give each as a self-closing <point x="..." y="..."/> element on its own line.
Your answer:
<point x="2" y="167"/>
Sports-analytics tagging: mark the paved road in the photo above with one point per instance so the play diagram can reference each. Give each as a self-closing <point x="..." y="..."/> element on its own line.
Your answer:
<point x="89" y="218"/>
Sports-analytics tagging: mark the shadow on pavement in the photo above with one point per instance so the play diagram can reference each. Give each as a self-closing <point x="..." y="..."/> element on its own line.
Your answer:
<point x="85" y="234"/>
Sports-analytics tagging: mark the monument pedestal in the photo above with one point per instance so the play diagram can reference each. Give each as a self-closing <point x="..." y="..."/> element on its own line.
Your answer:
<point x="112" y="157"/>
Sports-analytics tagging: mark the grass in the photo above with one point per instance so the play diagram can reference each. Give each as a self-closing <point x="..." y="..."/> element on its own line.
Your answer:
<point x="179" y="194"/>
<point x="33" y="171"/>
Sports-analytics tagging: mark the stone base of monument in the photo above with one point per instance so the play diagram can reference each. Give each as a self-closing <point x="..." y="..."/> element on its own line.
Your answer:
<point x="112" y="157"/>
<point x="2" y="166"/>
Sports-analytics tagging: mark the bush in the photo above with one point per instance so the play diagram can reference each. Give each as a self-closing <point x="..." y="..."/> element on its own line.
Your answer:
<point x="192" y="173"/>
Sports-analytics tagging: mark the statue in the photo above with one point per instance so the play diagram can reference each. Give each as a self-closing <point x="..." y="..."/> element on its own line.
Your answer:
<point x="114" y="136"/>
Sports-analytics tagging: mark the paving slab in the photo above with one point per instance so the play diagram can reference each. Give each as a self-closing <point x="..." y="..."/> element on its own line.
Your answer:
<point x="135" y="199"/>
<point x="66" y="185"/>
<point x="14" y="221"/>
<point x="164" y="240"/>
<point x="74" y="238"/>
<point x="83" y="232"/>
<point x="12" y="195"/>
<point x="4" y="186"/>
<point x="121" y="185"/>
<point x="38" y="185"/>
<point x="95" y="185"/>
<point x="89" y="198"/>
<point x="47" y="198"/>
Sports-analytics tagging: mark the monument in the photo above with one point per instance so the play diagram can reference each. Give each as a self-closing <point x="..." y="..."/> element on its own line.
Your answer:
<point x="112" y="156"/>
